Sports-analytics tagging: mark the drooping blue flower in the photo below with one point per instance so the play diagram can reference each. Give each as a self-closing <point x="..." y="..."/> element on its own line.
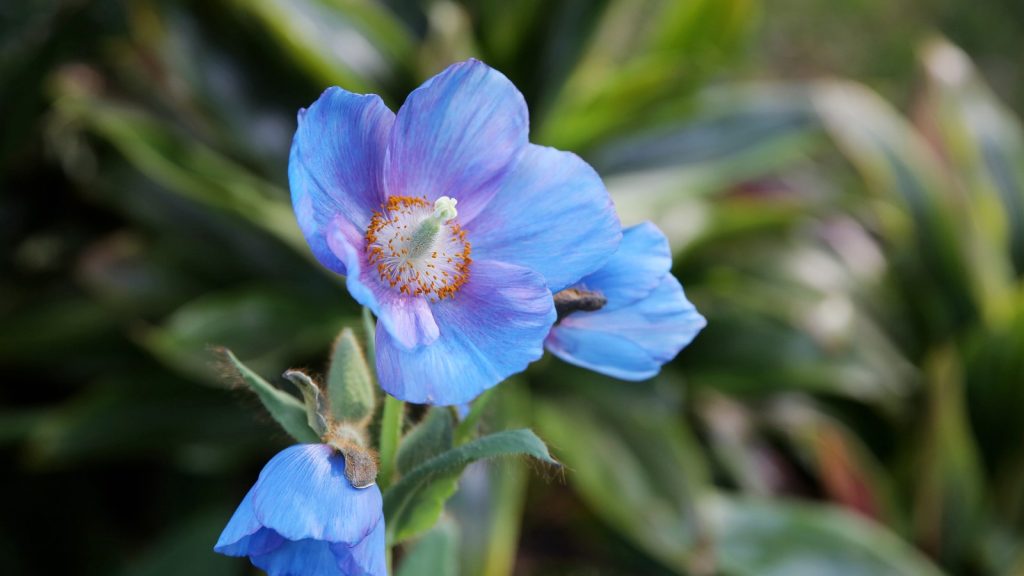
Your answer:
<point x="642" y="319"/>
<point x="304" y="518"/>
<point x="449" y="225"/>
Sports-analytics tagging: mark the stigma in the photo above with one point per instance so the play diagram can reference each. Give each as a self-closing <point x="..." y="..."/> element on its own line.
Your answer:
<point x="418" y="249"/>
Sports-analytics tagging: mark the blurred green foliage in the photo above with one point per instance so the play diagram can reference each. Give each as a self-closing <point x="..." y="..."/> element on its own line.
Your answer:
<point x="852" y="408"/>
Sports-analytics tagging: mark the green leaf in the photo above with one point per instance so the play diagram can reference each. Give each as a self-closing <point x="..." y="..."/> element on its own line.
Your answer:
<point x="948" y="495"/>
<point x="982" y="140"/>
<point x="250" y="321"/>
<point x="846" y="469"/>
<point x="188" y="167"/>
<point x="352" y="43"/>
<point x="624" y="78"/>
<point x="490" y="519"/>
<point x="735" y="135"/>
<point x="430" y="437"/>
<point x="283" y="407"/>
<point x="993" y="371"/>
<point x="413" y="503"/>
<point x="350" y="389"/>
<point x="434" y="554"/>
<point x="426" y="508"/>
<point x="760" y="537"/>
<point x="923" y="220"/>
<point x="634" y="464"/>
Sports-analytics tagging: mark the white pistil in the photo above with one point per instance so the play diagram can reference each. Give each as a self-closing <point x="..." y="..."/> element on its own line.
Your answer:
<point x="423" y="239"/>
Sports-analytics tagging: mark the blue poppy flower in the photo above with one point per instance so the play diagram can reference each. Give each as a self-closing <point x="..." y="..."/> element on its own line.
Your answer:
<point x="641" y="318"/>
<point x="449" y="225"/>
<point x="304" y="518"/>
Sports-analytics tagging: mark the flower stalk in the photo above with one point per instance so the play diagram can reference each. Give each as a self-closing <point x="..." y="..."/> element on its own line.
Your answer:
<point x="390" y="433"/>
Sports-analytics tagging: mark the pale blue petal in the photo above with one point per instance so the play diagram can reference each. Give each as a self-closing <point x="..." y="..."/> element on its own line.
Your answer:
<point x="552" y="214"/>
<point x="303" y="493"/>
<point x="492" y="328"/>
<point x="301" y="558"/>
<point x="642" y="260"/>
<point x="366" y="558"/>
<point x="336" y="164"/>
<point x="456" y="135"/>
<point x="408" y="319"/>
<point x="633" y="341"/>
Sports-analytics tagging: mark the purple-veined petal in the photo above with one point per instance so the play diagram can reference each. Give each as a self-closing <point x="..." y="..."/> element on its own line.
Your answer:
<point x="457" y="135"/>
<point x="636" y="268"/>
<point x="304" y="557"/>
<point x="336" y="164"/>
<point x="303" y="493"/>
<point x="492" y="328"/>
<point x="552" y="214"/>
<point x="407" y="318"/>
<point x="366" y="558"/>
<point x="630" y="342"/>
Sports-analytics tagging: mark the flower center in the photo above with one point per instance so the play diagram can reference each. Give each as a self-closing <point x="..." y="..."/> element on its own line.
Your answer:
<point x="417" y="249"/>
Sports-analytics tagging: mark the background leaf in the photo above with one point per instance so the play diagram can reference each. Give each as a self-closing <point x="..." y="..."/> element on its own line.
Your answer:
<point x="775" y="537"/>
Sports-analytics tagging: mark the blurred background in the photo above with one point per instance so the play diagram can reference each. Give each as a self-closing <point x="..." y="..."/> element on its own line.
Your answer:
<point x="842" y="183"/>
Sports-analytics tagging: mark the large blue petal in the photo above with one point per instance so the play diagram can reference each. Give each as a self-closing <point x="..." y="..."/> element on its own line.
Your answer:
<point x="366" y="558"/>
<point x="336" y="165"/>
<point x="642" y="260"/>
<point x="492" y="328"/>
<point x="630" y="342"/>
<point x="456" y="135"/>
<point x="303" y="493"/>
<point x="552" y="214"/>
<point x="244" y="534"/>
<point x="407" y="318"/>
<point x="301" y="558"/>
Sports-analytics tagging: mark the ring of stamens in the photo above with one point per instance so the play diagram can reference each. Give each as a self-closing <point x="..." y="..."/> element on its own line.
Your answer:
<point x="418" y="249"/>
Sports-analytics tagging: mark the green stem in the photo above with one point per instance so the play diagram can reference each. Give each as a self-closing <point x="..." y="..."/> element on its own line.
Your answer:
<point x="467" y="428"/>
<point x="391" y="418"/>
<point x="370" y="332"/>
<point x="390" y="423"/>
<point x="390" y="432"/>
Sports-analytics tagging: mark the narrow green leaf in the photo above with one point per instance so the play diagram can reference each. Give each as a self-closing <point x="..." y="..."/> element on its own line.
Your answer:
<point x="928" y="226"/>
<point x="623" y="77"/>
<point x="350" y="387"/>
<point x="982" y="140"/>
<point x="431" y="436"/>
<point x="846" y="469"/>
<point x="354" y="44"/>
<point x="949" y="494"/>
<point x="189" y="168"/>
<point x="283" y="407"/>
<point x="247" y="320"/>
<point x="435" y="554"/>
<point x="413" y="503"/>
